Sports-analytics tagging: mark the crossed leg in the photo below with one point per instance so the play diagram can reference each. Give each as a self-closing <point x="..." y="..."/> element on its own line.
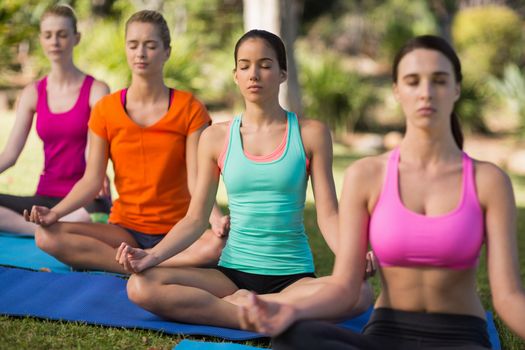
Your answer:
<point x="94" y="246"/>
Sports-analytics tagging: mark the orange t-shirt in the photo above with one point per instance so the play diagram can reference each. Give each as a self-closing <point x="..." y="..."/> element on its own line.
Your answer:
<point x="149" y="162"/>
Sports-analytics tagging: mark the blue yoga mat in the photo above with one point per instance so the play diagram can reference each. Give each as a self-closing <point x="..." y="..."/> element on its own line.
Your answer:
<point x="21" y="251"/>
<point x="203" y="345"/>
<point x="91" y="298"/>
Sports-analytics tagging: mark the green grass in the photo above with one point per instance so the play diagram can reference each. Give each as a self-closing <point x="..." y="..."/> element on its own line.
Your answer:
<point x="30" y="333"/>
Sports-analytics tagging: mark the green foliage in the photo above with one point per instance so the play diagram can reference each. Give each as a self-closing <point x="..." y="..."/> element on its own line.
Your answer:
<point x="332" y="94"/>
<point x="511" y="89"/>
<point x="396" y="21"/>
<point x="18" y="24"/>
<point x="471" y="105"/>
<point x="490" y="37"/>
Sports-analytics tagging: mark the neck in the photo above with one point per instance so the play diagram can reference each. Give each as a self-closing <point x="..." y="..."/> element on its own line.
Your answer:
<point x="64" y="72"/>
<point x="147" y="89"/>
<point x="425" y="147"/>
<point x="263" y="114"/>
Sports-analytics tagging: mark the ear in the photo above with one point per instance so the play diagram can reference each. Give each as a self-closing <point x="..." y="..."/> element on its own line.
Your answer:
<point x="284" y="76"/>
<point x="235" y="76"/>
<point x="168" y="53"/>
<point x="395" y="90"/>
<point x="77" y="38"/>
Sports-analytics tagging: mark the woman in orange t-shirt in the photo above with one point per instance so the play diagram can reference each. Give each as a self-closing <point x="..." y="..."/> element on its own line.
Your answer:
<point x="151" y="133"/>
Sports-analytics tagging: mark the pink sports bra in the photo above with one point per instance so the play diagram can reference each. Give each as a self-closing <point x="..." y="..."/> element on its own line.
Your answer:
<point x="401" y="237"/>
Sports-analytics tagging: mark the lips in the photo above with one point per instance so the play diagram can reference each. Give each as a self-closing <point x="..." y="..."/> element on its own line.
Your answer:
<point x="426" y="110"/>
<point x="140" y="64"/>
<point x="254" y="88"/>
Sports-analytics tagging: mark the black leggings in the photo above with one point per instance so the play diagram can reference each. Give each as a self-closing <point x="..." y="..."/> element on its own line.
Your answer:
<point x="390" y="329"/>
<point x="19" y="203"/>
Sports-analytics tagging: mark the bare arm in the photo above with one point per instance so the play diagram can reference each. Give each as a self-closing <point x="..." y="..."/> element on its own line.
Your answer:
<point x="496" y="195"/>
<point x="216" y="218"/>
<point x="99" y="90"/>
<point x="318" y="145"/>
<point x="25" y="111"/>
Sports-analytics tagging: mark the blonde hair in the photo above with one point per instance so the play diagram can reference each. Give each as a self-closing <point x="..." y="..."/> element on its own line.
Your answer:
<point x="61" y="10"/>
<point x="155" y="18"/>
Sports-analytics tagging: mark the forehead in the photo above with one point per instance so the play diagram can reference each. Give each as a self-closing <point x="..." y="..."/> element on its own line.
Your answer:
<point x="255" y="47"/>
<point x="55" y="22"/>
<point x="424" y="61"/>
<point x="142" y="31"/>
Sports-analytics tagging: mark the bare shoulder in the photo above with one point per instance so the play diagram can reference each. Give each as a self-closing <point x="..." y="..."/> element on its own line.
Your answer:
<point x="367" y="168"/>
<point x="28" y="98"/>
<point x="214" y="137"/>
<point x="98" y="90"/>
<point x="312" y="128"/>
<point x="365" y="177"/>
<point x="490" y="179"/>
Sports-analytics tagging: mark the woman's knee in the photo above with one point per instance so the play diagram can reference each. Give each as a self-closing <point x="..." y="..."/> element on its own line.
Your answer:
<point x="139" y="290"/>
<point x="48" y="239"/>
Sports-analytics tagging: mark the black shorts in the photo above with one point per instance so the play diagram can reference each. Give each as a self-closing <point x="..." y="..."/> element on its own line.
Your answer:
<point x="19" y="203"/>
<point x="262" y="284"/>
<point x="393" y="330"/>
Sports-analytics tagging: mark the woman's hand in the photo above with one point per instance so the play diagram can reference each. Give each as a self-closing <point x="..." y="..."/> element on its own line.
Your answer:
<point x="265" y="317"/>
<point x="134" y="260"/>
<point x="42" y="216"/>
<point x="221" y="226"/>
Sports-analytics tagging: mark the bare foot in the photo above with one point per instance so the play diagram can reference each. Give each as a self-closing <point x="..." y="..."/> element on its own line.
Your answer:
<point x="239" y="298"/>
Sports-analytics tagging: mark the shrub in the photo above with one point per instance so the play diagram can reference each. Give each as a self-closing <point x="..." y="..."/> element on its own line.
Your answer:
<point x="487" y="38"/>
<point x="332" y="94"/>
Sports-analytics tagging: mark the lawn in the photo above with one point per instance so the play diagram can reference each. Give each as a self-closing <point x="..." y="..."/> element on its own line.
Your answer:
<point x="29" y="333"/>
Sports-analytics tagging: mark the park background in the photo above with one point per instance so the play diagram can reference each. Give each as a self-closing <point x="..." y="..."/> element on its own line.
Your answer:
<point x="339" y="64"/>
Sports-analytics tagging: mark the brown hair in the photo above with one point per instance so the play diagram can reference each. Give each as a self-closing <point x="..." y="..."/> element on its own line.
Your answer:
<point x="61" y="10"/>
<point x="155" y="18"/>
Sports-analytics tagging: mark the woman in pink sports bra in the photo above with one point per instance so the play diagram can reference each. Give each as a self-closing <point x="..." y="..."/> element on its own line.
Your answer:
<point x="426" y="208"/>
<point x="61" y="102"/>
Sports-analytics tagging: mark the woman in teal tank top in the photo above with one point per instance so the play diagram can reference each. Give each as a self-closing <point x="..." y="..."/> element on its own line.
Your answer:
<point x="265" y="156"/>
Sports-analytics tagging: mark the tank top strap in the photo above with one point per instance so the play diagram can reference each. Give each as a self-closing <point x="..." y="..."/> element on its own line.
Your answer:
<point x="85" y="89"/>
<point x="41" y="90"/>
<point x="469" y="177"/>
<point x="235" y="134"/>
<point x="293" y="125"/>
<point x="391" y="182"/>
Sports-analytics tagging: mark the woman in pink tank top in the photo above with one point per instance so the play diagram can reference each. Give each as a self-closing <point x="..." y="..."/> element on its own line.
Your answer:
<point x="62" y="102"/>
<point x="426" y="208"/>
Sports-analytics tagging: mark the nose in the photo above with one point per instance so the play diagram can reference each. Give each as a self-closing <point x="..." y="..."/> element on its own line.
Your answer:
<point x="254" y="73"/>
<point x="141" y="52"/>
<point x="426" y="90"/>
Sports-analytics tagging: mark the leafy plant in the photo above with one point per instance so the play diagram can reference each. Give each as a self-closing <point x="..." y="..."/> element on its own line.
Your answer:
<point x="332" y="94"/>
<point x="511" y="89"/>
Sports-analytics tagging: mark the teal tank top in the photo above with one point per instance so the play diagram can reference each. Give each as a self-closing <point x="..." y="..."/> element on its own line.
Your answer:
<point x="266" y="202"/>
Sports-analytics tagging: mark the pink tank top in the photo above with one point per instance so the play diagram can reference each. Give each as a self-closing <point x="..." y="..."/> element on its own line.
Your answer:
<point x="64" y="136"/>
<point x="401" y="237"/>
